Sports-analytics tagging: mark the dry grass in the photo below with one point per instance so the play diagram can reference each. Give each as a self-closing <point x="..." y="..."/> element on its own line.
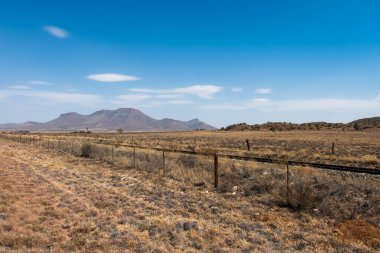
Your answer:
<point x="358" y="148"/>
<point x="116" y="203"/>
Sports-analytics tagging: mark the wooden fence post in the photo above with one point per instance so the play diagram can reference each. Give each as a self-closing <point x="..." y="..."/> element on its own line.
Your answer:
<point x="248" y="147"/>
<point x="134" y="158"/>
<point x="216" y="174"/>
<point x="163" y="162"/>
<point x="333" y="148"/>
<point x="287" y="183"/>
<point x="113" y="152"/>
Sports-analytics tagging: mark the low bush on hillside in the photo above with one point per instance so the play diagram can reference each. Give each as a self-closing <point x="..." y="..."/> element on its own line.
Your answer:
<point x="86" y="150"/>
<point x="339" y="196"/>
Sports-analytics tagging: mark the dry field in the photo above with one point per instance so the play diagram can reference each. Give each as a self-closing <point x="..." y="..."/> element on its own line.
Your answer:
<point x="54" y="200"/>
<point x="354" y="148"/>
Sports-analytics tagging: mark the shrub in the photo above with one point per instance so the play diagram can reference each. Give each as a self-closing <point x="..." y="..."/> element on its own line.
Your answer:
<point x="86" y="150"/>
<point x="265" y="185"/>
<point x="188" y="161"/>
<point x="302" y="194"/>
<point x="357" y="127"/>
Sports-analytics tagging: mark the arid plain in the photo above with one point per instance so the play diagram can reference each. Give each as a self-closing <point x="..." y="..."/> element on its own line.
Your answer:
<point x="93" y="192"/>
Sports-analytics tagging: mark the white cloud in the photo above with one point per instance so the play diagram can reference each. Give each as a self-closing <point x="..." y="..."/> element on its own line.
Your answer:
<point x="19" y="87"/>
<point x="258" y="102"/>
<point x="312" y="105"/>
<point x="56" y="31"/>
<point x="111" y="77"/>
<point x="37" y="82"/>
<point x="237" y="89"/>
<point x="132" y="98"/>
<point x="55" y="97"/>
<point x="143" y="90"/>
<point x="67" y="98"/>
<point x="173" y="102"/>
<point x="3" y="95"/>
<point x="169" y="96"/>
<point x="148" y="100"/>
<point x="203" y="91"/>
<point x="263" y="91"/>
<point x="225" y="106"/>
<point x="337" y="105"/>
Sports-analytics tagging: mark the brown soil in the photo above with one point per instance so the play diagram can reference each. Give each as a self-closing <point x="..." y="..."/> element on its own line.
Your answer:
<point x="360" y="231"/>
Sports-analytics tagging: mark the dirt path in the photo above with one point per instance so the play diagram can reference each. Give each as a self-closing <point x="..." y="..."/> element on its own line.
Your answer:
<point x="57" y="202"/>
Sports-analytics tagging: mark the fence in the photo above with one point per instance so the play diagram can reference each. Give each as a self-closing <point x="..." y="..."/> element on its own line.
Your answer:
<point x="104" y="151"/>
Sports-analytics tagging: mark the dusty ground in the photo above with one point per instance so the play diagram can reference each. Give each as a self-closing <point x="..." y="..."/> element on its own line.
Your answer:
<point x="53" y="202"/>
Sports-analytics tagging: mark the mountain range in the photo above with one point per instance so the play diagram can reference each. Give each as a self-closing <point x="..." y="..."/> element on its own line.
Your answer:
<point x="128" y="119"/>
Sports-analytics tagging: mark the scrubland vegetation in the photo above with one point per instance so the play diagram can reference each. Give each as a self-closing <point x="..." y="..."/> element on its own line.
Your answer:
<point x="357" y="125"/>
<point x="78" y="193"/>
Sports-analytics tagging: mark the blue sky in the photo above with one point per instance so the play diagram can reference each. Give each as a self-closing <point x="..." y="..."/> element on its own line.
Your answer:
<point x="221" y="61"/>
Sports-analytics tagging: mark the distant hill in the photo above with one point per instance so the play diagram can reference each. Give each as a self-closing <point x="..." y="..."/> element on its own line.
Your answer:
<point x="128" y="119"/>
<point x="366" y="123"/>
<point x="361" y="124"/>
<point x="26" y="125"/>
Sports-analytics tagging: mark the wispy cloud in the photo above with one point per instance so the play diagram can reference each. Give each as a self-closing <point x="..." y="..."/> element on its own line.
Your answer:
<point x="56" y="31"/>
<point x="312" y="105"/>
<point x="337" y="105"/>
<point x="20" y="87"/>
<point x="224" y="106"/>
<point x="3" y="95"/>
<point x="49" y="97"/>
<point x="170" y="96"/>
<point x="173" y="102"/>
<point x="263" y="91"/>
<point x="237" y="89"/>
<point x="111" y="77"/>
<point x="144" y="90"/>
<point x="148" y="100"/>
<point x="131" y="98"/>
<point x="203" y="91"/>
<point x="37" y="82"/>
<point x="258" y="103"/>
<point x="68" y="98"/>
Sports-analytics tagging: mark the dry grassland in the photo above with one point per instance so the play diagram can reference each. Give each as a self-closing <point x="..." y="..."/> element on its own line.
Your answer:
<point x="53" y="201"/>
<point x="355" y="148"/>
